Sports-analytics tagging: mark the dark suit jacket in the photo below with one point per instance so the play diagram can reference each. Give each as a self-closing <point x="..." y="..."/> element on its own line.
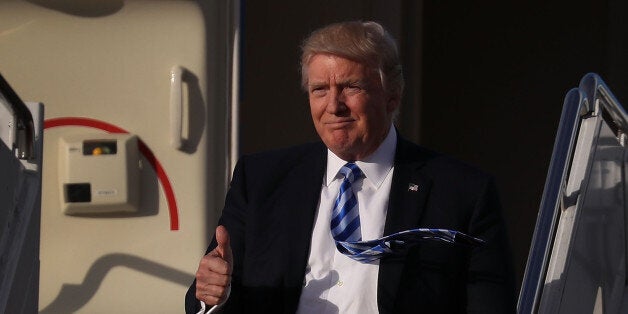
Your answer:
<point x="269" y="213"/>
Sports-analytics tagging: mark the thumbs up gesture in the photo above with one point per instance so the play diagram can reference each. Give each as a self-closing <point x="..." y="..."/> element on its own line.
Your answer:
<point x="213" y="276"/>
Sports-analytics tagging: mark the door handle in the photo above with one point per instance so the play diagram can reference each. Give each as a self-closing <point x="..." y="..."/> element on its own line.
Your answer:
<point x="176" y="107"/>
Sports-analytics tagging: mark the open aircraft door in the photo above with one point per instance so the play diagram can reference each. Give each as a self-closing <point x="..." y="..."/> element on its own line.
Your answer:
<point x="137" y="142"/>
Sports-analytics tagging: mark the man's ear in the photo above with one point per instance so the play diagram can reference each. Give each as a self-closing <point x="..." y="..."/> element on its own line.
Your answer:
<point x="393" y="102"/>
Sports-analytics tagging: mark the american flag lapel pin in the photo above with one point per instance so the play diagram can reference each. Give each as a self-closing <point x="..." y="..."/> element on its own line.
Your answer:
<point x="413" y="187"/>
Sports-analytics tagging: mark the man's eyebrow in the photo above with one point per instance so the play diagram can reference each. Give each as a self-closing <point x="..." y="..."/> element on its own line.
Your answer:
<point x="358" y="81"/>
<point x="352" y="82"/>
<point x="344" y="82"/>
<point x="317" y="84"/>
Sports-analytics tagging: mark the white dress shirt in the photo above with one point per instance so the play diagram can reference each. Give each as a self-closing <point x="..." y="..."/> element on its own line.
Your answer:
<point x="333" y="282"/>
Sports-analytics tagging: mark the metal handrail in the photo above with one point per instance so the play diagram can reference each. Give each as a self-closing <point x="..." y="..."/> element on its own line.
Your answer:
<point x="24" y="126"/>
<point x="573" y="106"/>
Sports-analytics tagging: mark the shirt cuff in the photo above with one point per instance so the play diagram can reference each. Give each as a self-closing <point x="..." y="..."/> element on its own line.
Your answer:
<point x="216" y="307"/>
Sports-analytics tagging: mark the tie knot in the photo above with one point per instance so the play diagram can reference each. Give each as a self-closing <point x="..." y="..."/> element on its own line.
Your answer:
<point x="351" y="172"/>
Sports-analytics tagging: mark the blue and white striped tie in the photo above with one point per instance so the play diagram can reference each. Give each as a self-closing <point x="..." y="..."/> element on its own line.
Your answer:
<point x="345" y="228"/>
<point x="398" y="243"/>
<point x="345" y="217"/>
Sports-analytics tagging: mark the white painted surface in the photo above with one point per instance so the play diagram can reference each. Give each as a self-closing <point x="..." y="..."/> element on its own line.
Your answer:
<point x="112" y="63"/>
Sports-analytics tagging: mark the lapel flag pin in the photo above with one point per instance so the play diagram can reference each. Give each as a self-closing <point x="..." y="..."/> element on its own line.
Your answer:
<point x="413" y="187"/>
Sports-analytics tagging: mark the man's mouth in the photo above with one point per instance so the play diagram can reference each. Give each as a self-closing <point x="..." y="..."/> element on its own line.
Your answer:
<point x="339" y="123"/>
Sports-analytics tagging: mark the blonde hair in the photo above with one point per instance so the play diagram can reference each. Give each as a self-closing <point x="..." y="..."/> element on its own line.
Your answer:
<point x="364" y="42"/>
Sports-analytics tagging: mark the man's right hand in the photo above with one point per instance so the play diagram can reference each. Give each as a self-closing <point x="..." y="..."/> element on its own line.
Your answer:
<point x="213" y="276"/>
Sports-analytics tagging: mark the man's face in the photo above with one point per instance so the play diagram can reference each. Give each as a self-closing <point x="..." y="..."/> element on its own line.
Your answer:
<point x="351" y="111"/>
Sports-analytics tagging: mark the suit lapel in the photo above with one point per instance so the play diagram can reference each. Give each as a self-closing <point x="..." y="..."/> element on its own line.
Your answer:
<point x="307" y="192"/>
<point x="408" y="195"/>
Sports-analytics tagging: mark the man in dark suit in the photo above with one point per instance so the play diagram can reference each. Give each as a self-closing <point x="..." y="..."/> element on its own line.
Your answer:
<point x="275" y="252"/>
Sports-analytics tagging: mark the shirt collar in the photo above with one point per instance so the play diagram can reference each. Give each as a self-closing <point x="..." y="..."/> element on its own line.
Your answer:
<point x="375" y="167"/>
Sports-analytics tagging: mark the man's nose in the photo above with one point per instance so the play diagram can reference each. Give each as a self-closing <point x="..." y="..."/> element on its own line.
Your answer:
<point x="337" y="102"/>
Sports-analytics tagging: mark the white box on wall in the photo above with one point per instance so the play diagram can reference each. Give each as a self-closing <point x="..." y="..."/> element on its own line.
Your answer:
<point x="99" y="174"/>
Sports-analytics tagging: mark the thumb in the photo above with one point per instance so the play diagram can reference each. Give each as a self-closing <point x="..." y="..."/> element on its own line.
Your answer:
<point x="223" y="248"/>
